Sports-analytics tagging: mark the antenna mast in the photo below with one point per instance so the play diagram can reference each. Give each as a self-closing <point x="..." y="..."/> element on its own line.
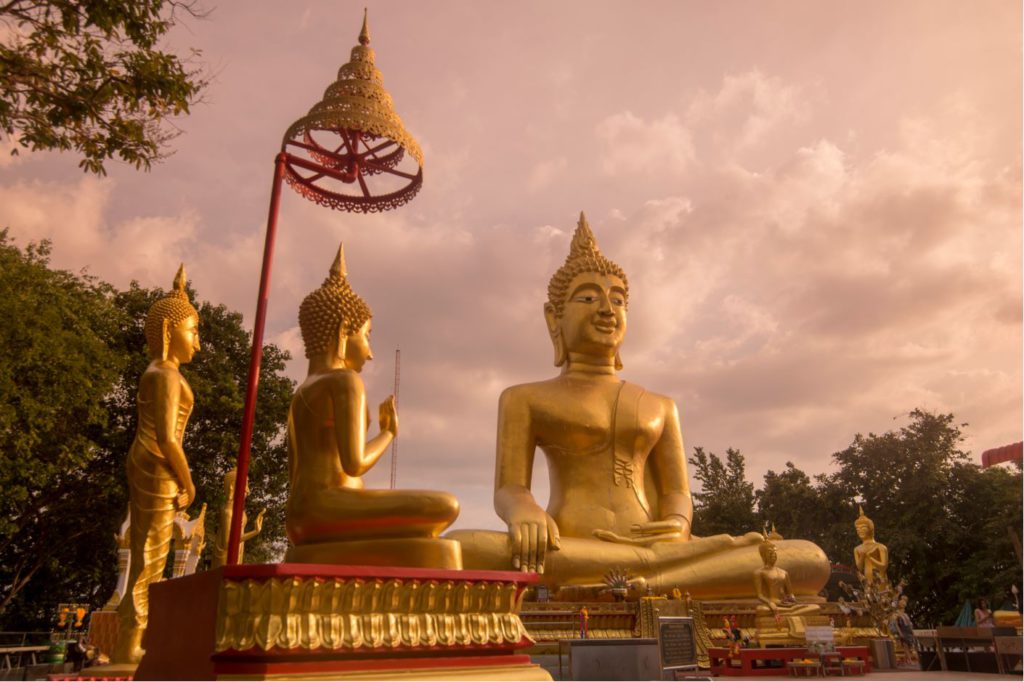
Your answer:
<point x="394" y="443"/>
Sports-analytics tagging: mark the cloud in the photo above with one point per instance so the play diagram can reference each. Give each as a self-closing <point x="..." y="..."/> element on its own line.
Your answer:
<point x="633" y="145"/>
<point x="76" y="217"/>
<point x="545" y="173"/>
<point x="747" y="108"/>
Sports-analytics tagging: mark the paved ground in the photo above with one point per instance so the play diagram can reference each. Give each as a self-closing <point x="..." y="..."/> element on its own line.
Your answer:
<point x="550" y="663"/>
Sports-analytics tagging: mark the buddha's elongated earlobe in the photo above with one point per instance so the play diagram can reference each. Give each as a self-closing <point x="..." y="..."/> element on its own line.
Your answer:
<point x="556" y="335"/>
<point x="618" y="361"/>
<point x="166" y="339"/>
<point x="342" y="344"/>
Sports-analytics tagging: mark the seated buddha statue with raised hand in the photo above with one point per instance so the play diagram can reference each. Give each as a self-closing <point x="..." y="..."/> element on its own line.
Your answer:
<point x="619" y="494"/>
<point x="331" y="518"/>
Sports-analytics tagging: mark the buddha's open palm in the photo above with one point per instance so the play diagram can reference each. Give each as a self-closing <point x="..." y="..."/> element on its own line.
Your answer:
<point x="389" y="416"/>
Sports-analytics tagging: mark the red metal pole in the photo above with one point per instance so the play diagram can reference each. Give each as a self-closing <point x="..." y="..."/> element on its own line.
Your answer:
<point x="249" y="413"/>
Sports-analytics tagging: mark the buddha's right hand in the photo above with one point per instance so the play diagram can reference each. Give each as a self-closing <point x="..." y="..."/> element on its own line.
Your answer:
<point x="185" y="496"/>
<point x="389" y="416"/>
<point x="532" y="531"/>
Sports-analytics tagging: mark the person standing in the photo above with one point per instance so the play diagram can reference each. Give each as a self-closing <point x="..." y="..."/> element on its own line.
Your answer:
<point x="983" y="615"/>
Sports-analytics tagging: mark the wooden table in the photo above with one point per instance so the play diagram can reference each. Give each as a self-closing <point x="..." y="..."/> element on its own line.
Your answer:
<point x="853" y="667"/>
<point x="858" y="653"/>
<point x="831" y="662"/>
<point x="801" y="668"/>
<point x="753" y="661"/>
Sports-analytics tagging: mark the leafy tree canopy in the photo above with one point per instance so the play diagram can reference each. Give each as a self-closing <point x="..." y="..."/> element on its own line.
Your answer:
<point x="90" y="76"/>
<point x="725" y="503"/>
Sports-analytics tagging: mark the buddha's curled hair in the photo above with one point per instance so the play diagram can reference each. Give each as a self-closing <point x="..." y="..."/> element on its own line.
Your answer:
<point x="334" y="304"/>
<point x="584" y="256"/>
<point x="175" y="308"/>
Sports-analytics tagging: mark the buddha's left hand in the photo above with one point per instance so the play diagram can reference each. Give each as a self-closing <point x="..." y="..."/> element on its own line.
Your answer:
<point x="645" y="534"/>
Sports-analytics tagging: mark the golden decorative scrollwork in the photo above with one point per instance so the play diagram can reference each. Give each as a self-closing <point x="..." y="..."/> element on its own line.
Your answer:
<point x="336" y="614"/>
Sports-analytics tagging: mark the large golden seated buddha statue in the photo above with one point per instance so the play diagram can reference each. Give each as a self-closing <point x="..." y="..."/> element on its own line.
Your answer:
<point x="619" y="496"/>
<point x="330" y="518"/>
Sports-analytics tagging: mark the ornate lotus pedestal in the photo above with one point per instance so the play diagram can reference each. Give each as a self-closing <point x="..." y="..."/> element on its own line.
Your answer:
<point x="310" y="621"/>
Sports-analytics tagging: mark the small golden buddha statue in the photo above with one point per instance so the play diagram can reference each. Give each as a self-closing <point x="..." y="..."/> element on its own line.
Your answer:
<point x="159" y="482"/>
<point x="870" y="557"/>
<point x="619" y="490"/>
<point x="330" y="517"/>
<point x="779" y="615"/>
<point x="220" y="546"/>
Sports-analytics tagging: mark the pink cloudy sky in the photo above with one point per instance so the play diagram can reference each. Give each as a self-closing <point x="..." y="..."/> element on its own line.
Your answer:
<point x="818" y="205"/>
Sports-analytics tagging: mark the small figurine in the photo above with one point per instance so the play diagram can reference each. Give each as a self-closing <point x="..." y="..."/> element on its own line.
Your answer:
<point x="584" y="622"/>
<point x="733" y="634"/>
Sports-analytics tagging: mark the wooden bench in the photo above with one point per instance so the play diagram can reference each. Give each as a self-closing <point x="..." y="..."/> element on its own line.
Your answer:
<point x="1009" y="653"/>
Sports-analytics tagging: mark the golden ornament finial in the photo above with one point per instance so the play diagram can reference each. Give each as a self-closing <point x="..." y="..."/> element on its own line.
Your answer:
<point x="583" y="242"/>
<point x="338" y="269"/>
<point x="364" y="34"/>
<point x="180" y="281"/>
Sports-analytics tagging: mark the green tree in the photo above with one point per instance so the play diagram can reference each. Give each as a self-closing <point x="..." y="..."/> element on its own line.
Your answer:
<point x="67" y="419"/>
<point x="808" y="509"/>
<point x="89" y="77"/>
<point x="942" y="518"/>
<point x="58" y="489"/>
<point x="986" y="506"/>
<point x="725" y="503"/>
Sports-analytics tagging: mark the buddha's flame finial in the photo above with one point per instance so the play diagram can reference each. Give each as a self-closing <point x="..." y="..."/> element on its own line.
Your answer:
<point x="338" y="268"/>
<point x="364" y="34"/>
<point x="179" y="282"/>
<point x="583" y="242"/>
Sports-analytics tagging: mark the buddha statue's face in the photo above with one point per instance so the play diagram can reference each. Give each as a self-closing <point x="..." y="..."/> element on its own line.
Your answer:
<point x="357" y="347"/>
<point x="864" y="531"/>
<point x="769" y="555"/>
<point x="594" y="318"/>
<point x="184" y="341"/>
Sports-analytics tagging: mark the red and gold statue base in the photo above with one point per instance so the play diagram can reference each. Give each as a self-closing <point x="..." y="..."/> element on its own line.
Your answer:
<point x="310" y="621"/>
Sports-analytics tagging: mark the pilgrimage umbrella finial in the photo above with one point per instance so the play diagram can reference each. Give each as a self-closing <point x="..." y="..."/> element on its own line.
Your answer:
<point x="364" y="34"/>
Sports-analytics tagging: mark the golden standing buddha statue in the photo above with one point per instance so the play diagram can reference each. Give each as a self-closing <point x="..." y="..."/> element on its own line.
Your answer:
<point x="159" y="482"/>
<point x="619" y="496"/>
<point x="870" y="556"/>
<point x="330" y="517"/>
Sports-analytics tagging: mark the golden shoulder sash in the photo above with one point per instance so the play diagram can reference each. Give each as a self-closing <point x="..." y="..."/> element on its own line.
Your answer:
<point x="626" y="431"/>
